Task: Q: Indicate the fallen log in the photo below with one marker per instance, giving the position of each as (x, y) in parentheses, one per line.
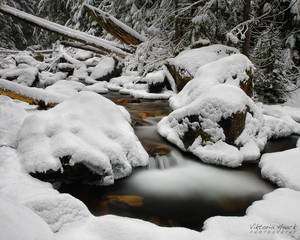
(83, 47)
(103, 45)
(31, 95)
(115, 27)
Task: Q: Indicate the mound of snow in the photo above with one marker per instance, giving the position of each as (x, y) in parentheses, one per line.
(89, 130)
(16, 185)
(282, 168)
(234, 70)
(12, 116)
(192, 59)
(99, 87)
(197, 127)
(47, 78)
(64, 88)
(19, 223)
(121, 228)
(277, 216)
(25, 76)
(104, 67)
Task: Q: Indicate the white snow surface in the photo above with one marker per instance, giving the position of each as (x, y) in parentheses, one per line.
(155, 77)
(31, 92)
(25, 76)
(65, 88)
(12, 116)
(277, 216)
(47, 78)
(16, 185)
(88, 127)
(19, 223)
(282, 168)
(229, 70)
(221, 101)
(191, 59)
(99, 87)
(103, 68)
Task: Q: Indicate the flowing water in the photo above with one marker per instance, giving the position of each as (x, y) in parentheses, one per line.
(177, 189)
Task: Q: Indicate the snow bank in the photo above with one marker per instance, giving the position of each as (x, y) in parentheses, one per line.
(190, 60)
(90, 129)
(229, 70)
(282, 168)
(54, 208)
(19, 223)
(121, 228)
(277, 216)
(12, 116)
(200, 124)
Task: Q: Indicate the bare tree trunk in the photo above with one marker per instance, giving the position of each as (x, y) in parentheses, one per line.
(246, 44)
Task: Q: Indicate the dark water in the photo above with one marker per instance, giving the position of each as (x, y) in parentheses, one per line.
(176, 189)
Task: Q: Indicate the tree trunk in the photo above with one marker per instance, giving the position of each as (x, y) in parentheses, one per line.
(246, 44)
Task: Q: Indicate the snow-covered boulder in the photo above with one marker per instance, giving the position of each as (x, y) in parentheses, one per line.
(64, 88)
(220, 126)
(282, 168)
(236, 70)
(47, 78)
(27, 76)
(106, 69)
(83, 55)
(156, 81)
(184, 66)
(19, 223)
(85, 138)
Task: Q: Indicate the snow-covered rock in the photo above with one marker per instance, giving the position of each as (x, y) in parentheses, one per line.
(282, 168)
(83, 55)
(19, 223)
(86, 135)
(47, 78)
(26, 76)
(12, 116)
(184, 67)
(156, 81)
(106, 69)
(235, 70)
(219, 126)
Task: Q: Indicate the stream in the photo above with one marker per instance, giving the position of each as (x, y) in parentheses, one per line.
(176, 189)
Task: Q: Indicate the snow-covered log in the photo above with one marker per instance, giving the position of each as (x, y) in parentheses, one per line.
(104, 45)
(115, 27)
(35, 96)
(83, 47)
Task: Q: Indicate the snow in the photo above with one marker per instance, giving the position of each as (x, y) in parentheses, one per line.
(282, 168)
(68, 32)
(228, 70)
(276, 216)
(103, 68)
(155, 77)
(19, 223)
(144, 94)
(12, 116)
(83, 55)
(47, 78)
(219, 102)
(88, 127)
(170, 79)
(64, 88)
(30, 92)
(25, 76)
(99, 87)
(54, 208)
(192, 59)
